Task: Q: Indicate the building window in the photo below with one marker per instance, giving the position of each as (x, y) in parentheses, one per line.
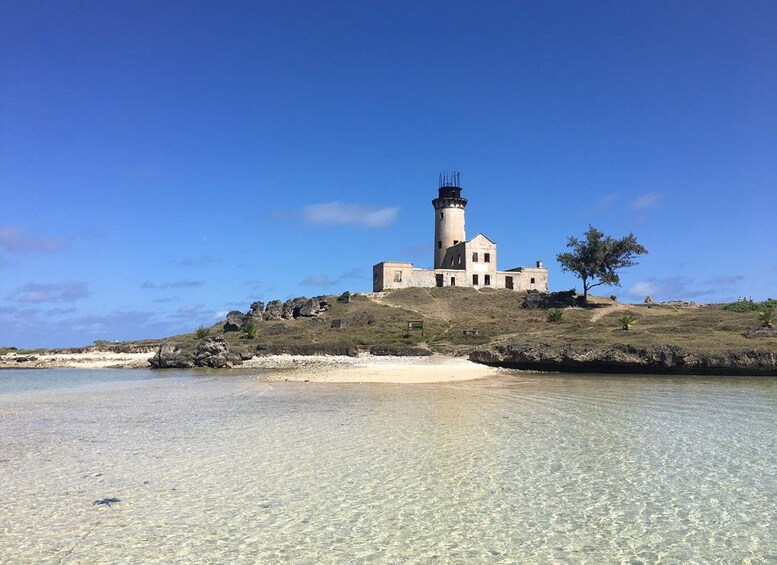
(459, 258)
(442, 215)
(375, 276)
(455, 241)
(487, 257)
(532, 280)
(474, 257)
(474, 280)
(487, 280)
(439, 245)
(453, 281)
(397, 276)
(451, 261)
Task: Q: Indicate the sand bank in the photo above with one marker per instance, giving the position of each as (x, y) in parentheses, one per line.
(363, 369)
(332, 369)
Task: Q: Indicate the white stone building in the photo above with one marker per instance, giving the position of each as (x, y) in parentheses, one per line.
(457, 260)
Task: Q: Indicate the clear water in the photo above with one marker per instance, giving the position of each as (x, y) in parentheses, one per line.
(230, 469)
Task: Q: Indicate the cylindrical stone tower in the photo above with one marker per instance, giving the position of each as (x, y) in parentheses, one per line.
(448, 217)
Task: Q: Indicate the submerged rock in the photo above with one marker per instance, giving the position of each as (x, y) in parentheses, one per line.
(209, 352)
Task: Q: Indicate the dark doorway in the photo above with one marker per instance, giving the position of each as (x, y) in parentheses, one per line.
(509, 282)
(439, 279)
(453, 281)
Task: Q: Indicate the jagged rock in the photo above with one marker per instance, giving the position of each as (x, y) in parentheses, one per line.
(648, 300)
(309, 308)
(338, 324)
(323, 303)
(543, 300)
(208, 352)
(621, 358)
(214, 352)
(344, 297)
(274, 310)
(291, 307)
(235, 319)
(256, 313)
(170, 356)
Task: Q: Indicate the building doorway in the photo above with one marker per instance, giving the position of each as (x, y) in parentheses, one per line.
(439, 279)
(453, 281)
(509, 283)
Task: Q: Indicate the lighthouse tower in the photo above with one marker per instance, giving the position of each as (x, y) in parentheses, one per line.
(448, 217)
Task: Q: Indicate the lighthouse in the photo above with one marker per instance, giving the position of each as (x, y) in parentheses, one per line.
(449, 228)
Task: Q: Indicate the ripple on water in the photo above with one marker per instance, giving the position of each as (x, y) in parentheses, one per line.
(542, 469)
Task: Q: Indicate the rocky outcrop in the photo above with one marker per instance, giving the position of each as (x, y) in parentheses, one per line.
(274, 310)
(208, 352)
(235, 319)
(662, 359)
(256, 312)
(544, 300)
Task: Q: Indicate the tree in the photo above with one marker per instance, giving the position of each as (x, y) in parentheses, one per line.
(596, 258)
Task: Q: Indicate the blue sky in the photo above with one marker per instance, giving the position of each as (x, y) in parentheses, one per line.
(162, 163)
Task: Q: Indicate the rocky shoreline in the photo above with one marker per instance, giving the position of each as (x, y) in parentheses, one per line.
(628, 359)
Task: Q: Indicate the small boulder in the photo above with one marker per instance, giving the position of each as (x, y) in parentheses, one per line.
(309, 308)
(345, 297)
(235, 319)
(338, 324)
(214, 352)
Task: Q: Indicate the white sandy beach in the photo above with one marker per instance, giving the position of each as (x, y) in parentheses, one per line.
(331, 369)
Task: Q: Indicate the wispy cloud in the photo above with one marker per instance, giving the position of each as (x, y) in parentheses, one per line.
(325, 280)
(647, 200)
(173, 284)
(725, 280)
(37, 293)
(603, 203)
(673, 288)
(344, 213)
(165, 299)
(189, 312)
(16, 240)
(195, 262)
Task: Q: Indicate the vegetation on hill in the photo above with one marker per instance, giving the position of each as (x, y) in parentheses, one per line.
(499, 317)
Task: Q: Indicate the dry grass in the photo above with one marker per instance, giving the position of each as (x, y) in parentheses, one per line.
(497, 315)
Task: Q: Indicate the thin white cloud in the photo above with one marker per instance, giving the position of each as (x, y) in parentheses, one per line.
(16, 240)
(37, 293)
(173, 284)
(325, 280)
(647, 200)
(344, 213)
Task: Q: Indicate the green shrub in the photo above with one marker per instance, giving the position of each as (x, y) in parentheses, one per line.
(747, 306)
(250, 329)
(555, 315)
(767, 317)
(626, 322)
(202, 332)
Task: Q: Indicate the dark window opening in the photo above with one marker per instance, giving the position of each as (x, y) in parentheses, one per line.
(532, 280)
(453, 281)
(474, 257)
(509, 283)
(455, 241)
(438, 279)
(474, 280)
(439, 245)
(487, 257)
(487, 280)
(442, 215)
(459, 258)
(397, 276)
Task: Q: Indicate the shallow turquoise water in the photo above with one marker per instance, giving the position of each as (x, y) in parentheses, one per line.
(216, 469)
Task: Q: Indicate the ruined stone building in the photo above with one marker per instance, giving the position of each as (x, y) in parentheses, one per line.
(457, 260)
